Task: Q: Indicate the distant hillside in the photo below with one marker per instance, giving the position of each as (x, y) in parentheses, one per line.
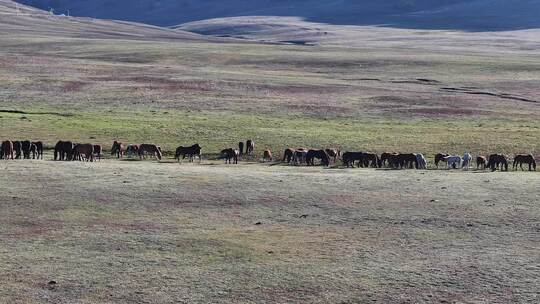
(20, 19)
(427, 14)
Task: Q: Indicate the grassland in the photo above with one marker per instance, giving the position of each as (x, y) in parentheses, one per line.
(172, 93)
(148, 232)
(144, 232)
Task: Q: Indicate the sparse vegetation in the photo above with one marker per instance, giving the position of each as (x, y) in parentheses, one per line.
(160, 232)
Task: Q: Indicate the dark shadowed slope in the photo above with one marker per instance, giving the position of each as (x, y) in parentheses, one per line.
(20, 19)
(473, 15)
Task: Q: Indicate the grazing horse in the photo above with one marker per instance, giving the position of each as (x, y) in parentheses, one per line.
(497, 160)
(369, 160)
(299, 156)
(319, 154)
(440, 157)
(192, 151)
(132, 150)
(422, 162)
(38, 150)
(151, 149)
(98, 152)
(349, 158)
(83, 152)
(333, 153)
(7, 149)
(33, 150)
(25, 147)
(241, 147)
(481, 161)
(453, 161)
(250, 147)
(17, 148)
(63, 150)
(386, 160)
(267, 155)
(230, 155)
(288, 155)
(407, 161)
(118, 148)
(520, 159)
(467, 158)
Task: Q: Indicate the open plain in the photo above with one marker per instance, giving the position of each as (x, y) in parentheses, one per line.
(129, 231)
(147, 232)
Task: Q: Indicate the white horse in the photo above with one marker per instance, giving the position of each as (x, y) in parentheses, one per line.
(467, 157)
(453, 161)
(422, 162)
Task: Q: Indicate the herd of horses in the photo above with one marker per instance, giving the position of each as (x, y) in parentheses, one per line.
(71, 151)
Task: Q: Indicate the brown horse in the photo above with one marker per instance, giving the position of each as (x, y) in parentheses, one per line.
(151, 149)
(7, 149)
(98, 152)
(190, 152)
(481, 161)
(497, 160)
(267, 155)
(63, 150)
(333, 153)
(439, 157)
(83, 152)
(521, 159)
(119, 149)
(25, 147)
(230, 155)
(319, 154)
(250, 147)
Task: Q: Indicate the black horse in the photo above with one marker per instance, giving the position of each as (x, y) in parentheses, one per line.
(439, 157)
(37, 150)
(17, 148)
(250, 147)
(521, 159)
(190, 152)
(497, 160)
(25, 147)
(241, 147)
(230, 155)
(349, 158)
(407, 161)
(63, 150)
(319, 154)
(288, 155)
(369, 160)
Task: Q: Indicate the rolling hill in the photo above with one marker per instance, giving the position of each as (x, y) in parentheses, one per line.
(475, 15)
(16, 19)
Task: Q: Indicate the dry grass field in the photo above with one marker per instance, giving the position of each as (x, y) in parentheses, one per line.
(367, 88)
(149, 232)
